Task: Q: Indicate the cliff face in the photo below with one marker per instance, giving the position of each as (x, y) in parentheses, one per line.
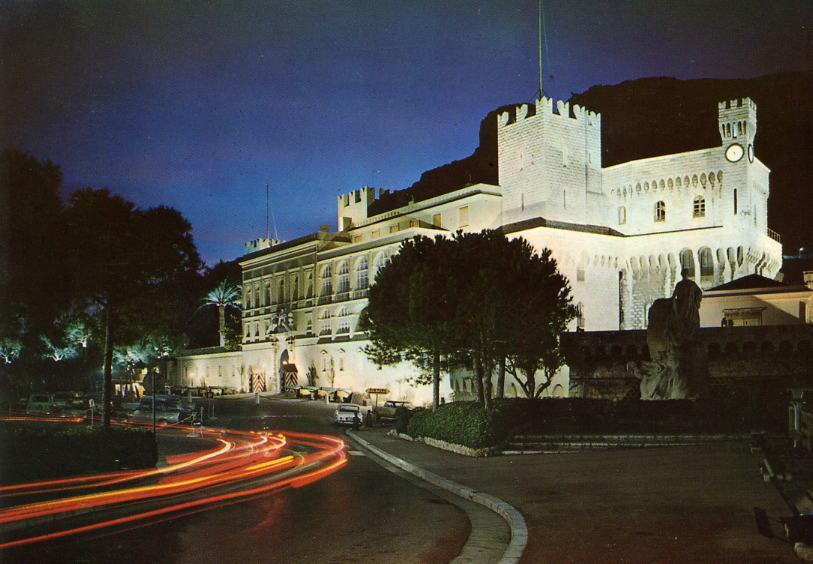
(658, 116)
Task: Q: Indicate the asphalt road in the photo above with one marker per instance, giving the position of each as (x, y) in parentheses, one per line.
(363, 513)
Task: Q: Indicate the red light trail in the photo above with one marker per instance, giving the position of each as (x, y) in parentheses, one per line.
(245, 464)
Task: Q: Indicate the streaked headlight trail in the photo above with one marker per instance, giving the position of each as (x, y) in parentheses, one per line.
(242, 465)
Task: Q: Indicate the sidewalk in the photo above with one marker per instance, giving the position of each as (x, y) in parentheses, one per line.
(680, 504)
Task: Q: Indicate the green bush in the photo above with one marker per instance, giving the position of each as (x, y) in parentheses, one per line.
(463, 423)
(35, 451)
(402, 417)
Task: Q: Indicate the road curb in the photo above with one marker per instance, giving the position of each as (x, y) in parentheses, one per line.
(515, 520)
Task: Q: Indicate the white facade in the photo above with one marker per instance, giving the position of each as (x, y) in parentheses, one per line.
(621, 235)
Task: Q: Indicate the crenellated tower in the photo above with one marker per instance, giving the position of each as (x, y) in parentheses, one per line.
(737, 121)
(549, 160)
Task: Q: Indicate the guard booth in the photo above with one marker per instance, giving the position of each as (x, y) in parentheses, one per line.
(289, 377)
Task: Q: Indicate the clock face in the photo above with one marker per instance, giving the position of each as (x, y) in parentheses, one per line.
(751, 153)
(734, 153)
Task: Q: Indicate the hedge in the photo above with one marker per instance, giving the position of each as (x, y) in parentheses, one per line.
(463, 423)
(35, 452)
(725, 413)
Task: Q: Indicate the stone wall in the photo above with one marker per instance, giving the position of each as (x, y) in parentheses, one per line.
(739, 357)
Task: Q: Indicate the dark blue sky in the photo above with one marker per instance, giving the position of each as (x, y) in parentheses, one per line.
(198, 104)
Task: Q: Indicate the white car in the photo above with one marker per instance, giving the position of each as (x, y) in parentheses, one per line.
(40, 404)
(346, 413)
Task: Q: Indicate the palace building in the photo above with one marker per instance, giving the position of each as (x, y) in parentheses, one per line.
(621, 234)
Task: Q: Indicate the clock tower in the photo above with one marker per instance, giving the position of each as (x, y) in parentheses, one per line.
(737, 120)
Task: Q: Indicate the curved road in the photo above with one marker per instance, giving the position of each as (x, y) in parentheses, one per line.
(361, 512)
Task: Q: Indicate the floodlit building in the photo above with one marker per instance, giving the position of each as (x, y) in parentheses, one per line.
(621, 234)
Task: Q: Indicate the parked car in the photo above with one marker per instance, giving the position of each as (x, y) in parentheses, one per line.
(76, 408)
(325, 391)
(167, 410)
(343, 395)
(64, 399)
(41, 404)
(346, 413)
(307, 392)
(390, 409)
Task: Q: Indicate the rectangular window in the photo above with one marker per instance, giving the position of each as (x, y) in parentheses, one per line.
(464, 217)
(376, 234)
(436, 220)
(356, 239)
(413, 223)
(394, 228)
(580, 274)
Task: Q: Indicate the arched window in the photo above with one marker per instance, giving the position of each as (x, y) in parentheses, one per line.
(699, 207)
(327, 280)
(687, 261)
(579, 316)
(380, 262)
(622, 215)
(344, 277)
(361, 274)
(706, 262)
(660, 211)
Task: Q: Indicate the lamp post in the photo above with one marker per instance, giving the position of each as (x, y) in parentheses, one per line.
(153, 401)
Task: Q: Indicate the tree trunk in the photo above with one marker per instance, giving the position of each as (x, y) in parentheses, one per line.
(501, 379)
(488, 370)
(478, 378)
(530, 383)
(221, 320)
(107, 389)
(435, 379)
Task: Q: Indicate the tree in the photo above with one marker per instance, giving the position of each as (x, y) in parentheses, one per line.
(9, 350)
(31, 242)
(513, 309)
(226, 294)
(411, 306)
(134, 267)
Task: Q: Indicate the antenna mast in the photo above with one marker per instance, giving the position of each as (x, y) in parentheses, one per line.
(266, 211)
(539, 44)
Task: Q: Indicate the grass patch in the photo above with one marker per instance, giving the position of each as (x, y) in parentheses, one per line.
(33, 452)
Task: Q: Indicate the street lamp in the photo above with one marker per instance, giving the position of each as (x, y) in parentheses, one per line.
(153, 402)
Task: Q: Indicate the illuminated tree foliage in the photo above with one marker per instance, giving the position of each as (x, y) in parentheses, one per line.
(134, 266)
(411, 308)
(225, 295)
(480, 298)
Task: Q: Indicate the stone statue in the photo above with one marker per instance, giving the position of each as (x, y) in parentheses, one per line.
(677, 369)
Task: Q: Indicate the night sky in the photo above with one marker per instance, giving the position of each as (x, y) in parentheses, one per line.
(199, 104)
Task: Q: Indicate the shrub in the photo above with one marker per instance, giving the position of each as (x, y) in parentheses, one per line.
(402, 417)
(34, 452)
(463, 423)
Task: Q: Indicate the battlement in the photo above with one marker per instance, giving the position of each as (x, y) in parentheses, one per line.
(364, 195)
(746, 103)
(545, 107)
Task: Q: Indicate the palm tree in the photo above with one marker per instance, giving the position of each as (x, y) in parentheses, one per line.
(225, 294)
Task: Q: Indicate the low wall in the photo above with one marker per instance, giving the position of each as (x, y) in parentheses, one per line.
(760, 358)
